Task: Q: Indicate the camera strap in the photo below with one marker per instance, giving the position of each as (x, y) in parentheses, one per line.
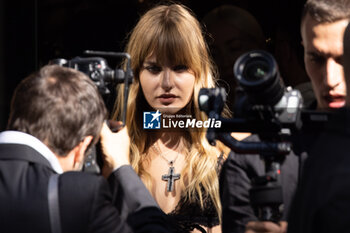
(53, 201)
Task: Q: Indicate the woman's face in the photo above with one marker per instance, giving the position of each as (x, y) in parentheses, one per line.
(166, 88)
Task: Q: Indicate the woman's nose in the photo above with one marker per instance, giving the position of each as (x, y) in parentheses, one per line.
(167, 82)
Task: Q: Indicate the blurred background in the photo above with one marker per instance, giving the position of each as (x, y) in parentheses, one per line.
(32, 32)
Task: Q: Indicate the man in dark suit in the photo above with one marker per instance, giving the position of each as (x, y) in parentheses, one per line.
(322, 27)
(322, 200)
(56, 115)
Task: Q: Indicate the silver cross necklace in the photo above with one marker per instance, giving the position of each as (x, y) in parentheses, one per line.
(171, 176)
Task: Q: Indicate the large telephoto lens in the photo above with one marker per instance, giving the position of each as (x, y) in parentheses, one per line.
(257, 73)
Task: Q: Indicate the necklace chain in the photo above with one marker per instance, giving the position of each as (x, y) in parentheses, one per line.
(170, 162)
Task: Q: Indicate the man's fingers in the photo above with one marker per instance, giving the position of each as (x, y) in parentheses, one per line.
(265, 226)
(284, 226)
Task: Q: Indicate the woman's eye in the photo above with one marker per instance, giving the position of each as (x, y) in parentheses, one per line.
(180, 68)
(154, 69)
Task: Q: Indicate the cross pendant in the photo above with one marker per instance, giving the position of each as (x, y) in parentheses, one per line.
(170, 178)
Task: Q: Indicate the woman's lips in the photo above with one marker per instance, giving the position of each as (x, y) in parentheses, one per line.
(167, 99)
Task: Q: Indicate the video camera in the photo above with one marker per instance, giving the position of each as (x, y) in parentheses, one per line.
(264, 106)
(106, 79)
(267, 108)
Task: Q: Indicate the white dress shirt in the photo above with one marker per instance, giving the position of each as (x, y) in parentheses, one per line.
(16, 137)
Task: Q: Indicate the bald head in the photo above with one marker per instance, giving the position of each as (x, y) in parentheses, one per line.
(236, 17)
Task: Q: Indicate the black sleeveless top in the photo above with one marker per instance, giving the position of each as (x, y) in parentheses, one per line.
(189, 215)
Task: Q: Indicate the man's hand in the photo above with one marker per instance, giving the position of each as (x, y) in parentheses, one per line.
(266, 227)
(115, 148)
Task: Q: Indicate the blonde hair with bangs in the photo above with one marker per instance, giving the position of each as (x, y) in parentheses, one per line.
(172, 34)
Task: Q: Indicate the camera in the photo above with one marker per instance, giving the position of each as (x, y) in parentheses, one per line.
(97, 69)
(257, 73)
(263, 94)
(264, 106)
(106, 79)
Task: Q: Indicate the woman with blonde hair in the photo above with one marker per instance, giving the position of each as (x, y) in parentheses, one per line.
(171, 64)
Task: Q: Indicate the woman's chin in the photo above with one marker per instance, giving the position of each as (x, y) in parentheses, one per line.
(169, 110)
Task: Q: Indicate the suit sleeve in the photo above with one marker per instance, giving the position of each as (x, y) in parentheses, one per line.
(235, 183)
(104, 215)
(88, 205)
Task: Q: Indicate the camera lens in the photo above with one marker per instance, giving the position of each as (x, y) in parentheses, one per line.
(257, 73)
(256, 70)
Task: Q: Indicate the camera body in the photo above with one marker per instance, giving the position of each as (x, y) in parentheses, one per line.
(261, 94)
(97, 69)
(264, 106)
(288, 109)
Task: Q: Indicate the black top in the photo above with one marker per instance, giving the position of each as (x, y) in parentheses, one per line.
(187, 216)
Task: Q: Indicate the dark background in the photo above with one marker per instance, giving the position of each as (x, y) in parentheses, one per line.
(34, 31)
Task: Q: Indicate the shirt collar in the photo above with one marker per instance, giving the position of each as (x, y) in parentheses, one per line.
(16, 137)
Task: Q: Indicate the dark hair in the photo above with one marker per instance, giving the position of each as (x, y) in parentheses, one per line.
(327, 10)
(59, 106)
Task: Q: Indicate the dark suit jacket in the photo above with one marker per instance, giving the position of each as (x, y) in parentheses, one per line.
(88, 203)
(322, 201)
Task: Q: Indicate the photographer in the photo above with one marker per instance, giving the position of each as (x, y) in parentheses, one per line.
(56, 115)
(322, 200)
(322, 27)
(232, 31)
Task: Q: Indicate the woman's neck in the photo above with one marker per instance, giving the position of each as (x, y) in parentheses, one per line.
(174, 140)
